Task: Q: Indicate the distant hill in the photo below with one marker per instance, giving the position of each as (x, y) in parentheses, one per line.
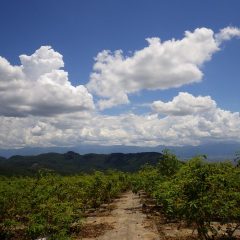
(73, 163)
(214, 151)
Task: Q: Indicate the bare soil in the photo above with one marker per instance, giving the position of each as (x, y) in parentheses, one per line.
(134, 217)
(125, 222)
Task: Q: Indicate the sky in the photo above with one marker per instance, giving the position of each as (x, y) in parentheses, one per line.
(110, 72)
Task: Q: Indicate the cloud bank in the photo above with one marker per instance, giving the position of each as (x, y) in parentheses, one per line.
(40, 107)
(192, 127)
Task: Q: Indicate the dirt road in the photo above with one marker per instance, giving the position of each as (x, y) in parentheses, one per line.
(125, 222)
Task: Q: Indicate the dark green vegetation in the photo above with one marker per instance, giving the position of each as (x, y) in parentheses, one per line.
(205, 195)
(45, 204)
(52, 206)
(74, 163)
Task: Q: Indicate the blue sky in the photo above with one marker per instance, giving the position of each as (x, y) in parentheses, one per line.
(79, 30)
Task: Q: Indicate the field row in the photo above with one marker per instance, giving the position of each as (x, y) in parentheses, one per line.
(52, 206)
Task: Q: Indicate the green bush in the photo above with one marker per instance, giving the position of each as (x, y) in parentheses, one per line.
(198, 192)
(202, 193)
(50, 205)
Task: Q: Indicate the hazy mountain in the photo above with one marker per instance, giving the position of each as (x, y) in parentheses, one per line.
(215, 151)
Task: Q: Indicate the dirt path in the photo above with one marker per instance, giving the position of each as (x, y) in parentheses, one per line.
(125, 222)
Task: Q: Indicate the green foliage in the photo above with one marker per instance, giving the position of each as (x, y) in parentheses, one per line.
(199, 192)
(169, 164)
(52, 206)
(237, 158)
(145, 179)
(149, 176)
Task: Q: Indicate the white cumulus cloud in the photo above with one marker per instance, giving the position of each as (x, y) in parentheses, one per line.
(40, 107)
(185, 104)
(227, 33)
(160, 65)
(40, 87)
(192, 127)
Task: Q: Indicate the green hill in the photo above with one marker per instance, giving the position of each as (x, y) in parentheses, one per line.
(73, 163)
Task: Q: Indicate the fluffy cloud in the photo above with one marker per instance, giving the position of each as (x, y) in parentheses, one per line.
(227, 33)
(198, 123)
(40, 107)
(40, 87)
(185, 104)
(198, 118)
(160, 65)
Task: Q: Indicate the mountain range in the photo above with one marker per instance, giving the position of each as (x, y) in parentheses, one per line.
(214, 151)
(86, 158)
(74, 163)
